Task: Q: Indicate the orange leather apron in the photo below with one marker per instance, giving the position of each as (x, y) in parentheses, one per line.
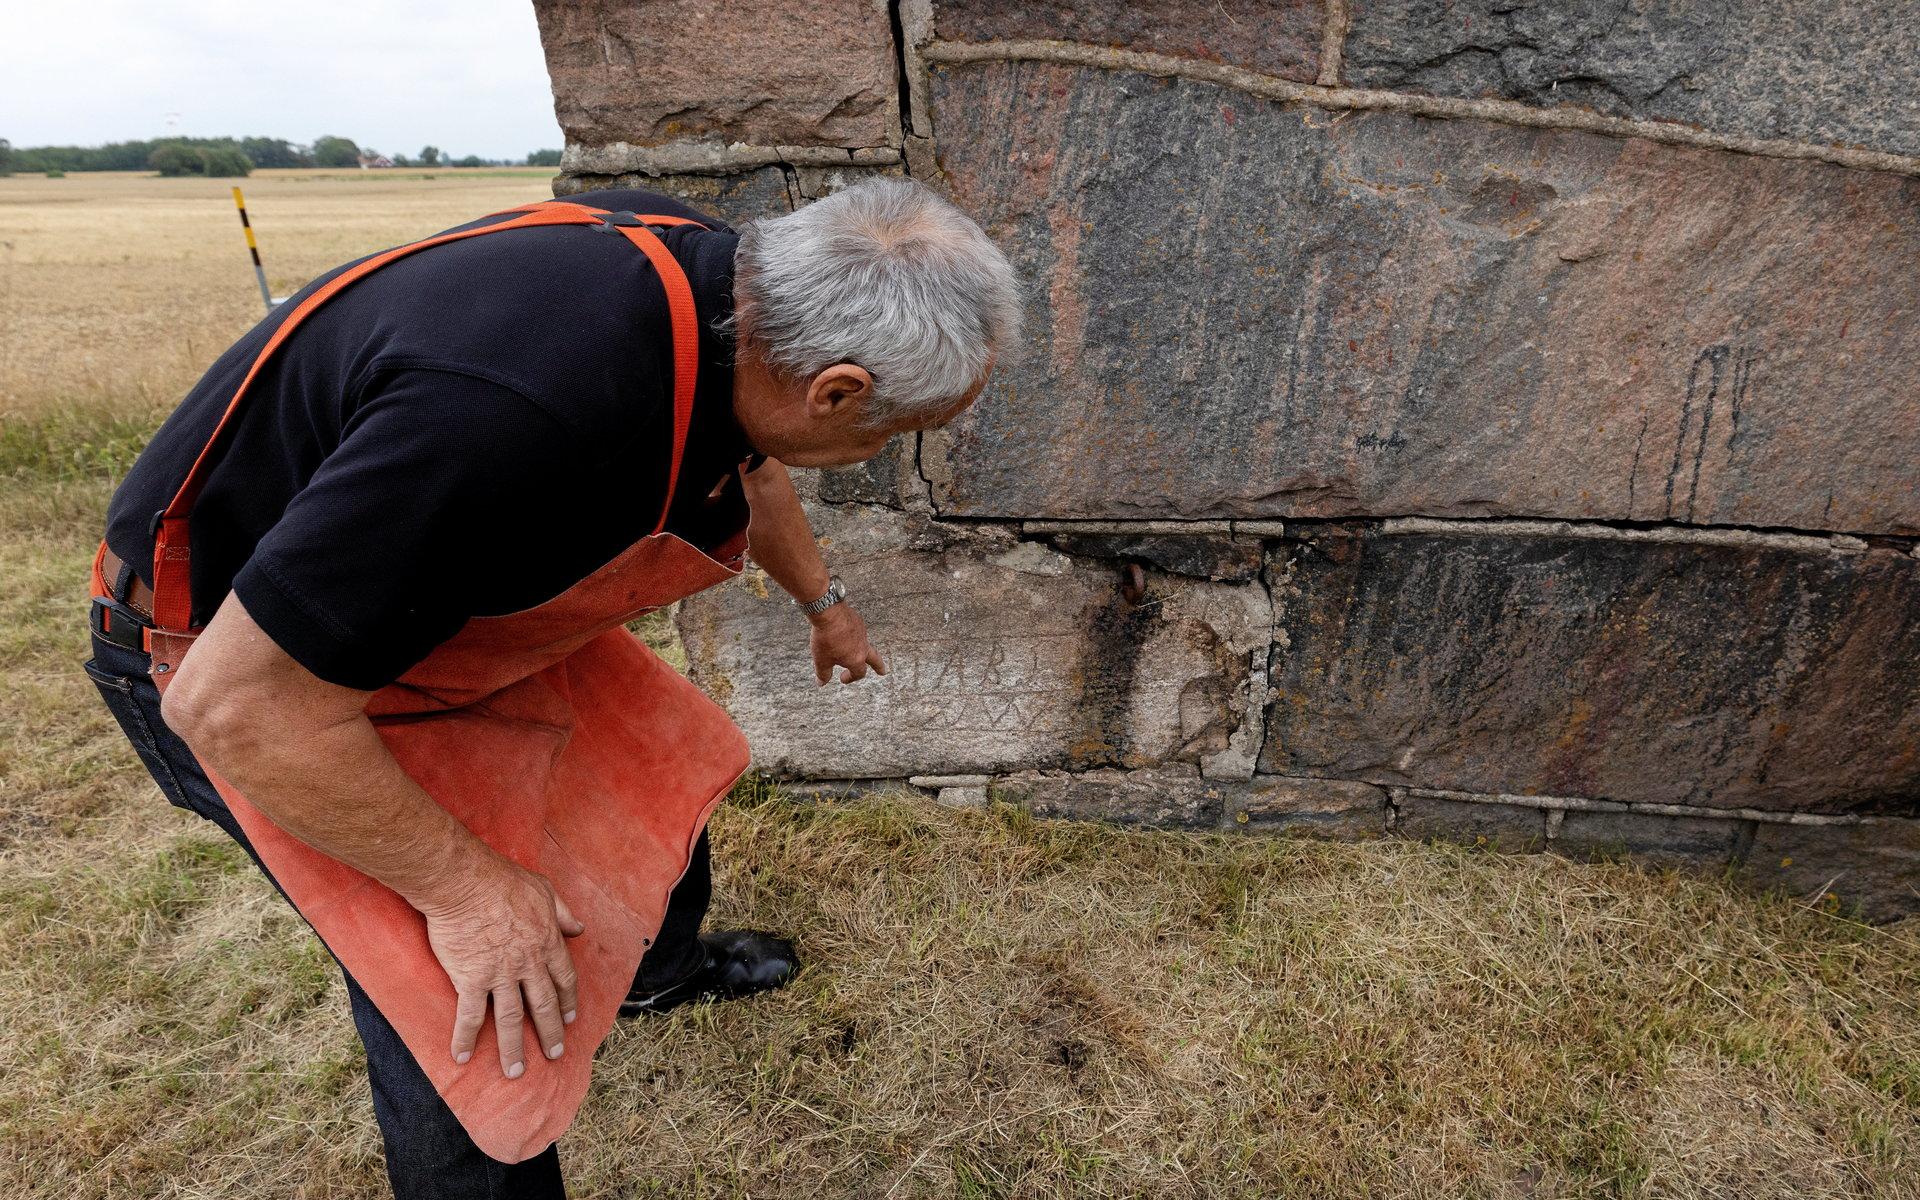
(553, 734)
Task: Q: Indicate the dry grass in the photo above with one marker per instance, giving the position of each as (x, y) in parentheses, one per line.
(121, 288)
(994, 1006)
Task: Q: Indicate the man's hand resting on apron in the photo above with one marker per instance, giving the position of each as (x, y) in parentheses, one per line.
(502, 941)
(303, 752)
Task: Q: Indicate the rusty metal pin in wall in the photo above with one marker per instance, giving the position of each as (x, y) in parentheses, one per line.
(1133, 584)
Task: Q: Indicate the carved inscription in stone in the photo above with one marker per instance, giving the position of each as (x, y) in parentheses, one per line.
(1003, 655)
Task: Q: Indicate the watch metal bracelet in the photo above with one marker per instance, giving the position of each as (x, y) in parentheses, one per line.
(836, 592)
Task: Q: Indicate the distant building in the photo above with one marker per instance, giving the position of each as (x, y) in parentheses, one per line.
(374, 160)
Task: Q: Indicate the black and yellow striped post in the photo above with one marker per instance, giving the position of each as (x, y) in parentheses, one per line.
(253, 248)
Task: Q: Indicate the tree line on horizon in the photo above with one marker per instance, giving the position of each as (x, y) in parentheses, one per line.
(226, 157)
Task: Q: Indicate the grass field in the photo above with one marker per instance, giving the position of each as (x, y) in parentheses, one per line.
(994, 1006)
(120, 288)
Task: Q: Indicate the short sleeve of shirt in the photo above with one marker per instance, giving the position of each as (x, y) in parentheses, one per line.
(363, 574)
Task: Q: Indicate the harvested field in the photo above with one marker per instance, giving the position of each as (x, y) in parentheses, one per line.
(119, 288)
(993, 1006)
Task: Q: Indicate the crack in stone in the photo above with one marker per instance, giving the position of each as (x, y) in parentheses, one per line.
(901, 78)
(920, 469)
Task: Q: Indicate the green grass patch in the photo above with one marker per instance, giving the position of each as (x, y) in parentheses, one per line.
(82, 441)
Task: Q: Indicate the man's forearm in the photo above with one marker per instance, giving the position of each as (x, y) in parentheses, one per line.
(304, 753)
(339, 790)
(780, 537)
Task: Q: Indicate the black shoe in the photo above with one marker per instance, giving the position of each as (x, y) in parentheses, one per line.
(739, 963)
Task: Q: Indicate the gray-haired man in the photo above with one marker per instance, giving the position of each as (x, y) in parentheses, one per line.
(511, 399)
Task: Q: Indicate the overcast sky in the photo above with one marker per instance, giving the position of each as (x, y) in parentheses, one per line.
(466, 77)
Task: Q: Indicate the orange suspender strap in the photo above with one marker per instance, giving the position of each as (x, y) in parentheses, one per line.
(172, 552)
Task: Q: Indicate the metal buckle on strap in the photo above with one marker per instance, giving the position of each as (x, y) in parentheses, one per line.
(114, 622)
(610, 222)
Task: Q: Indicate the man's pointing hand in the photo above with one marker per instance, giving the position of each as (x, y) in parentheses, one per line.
(840, 640)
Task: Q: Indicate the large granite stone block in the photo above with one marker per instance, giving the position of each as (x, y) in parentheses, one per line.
(1843, 72)
(1281, 37)
(1179, 796)
(1873, 868)
(1330, 808)
(1172, 797)
(1725, 675)
(1005, 656)
(759, 72)
(1241, 308)
(1650, 839)
(1507, 828)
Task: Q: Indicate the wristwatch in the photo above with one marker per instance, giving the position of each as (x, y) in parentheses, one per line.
(836, 592)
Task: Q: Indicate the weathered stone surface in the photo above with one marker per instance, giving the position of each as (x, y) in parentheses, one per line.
(732, 198)
(1720, 674)
(760, 72)
(1334, 808)
(1874, 867)
(1204, 556)
(817, 183)
(1701, 843)
(962, 797)
(1505, 827)
(1245, 309)
(1166, 797)
(888, 478)
(1278, 38)
(1835, 71)
(1005, 655)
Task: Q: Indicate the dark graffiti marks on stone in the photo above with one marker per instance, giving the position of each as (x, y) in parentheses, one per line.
(1711, 368)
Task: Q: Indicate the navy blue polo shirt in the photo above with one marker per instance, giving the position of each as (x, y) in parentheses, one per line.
(468, 431)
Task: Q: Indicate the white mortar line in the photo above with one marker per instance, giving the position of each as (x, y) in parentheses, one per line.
(714, 158)
(1835, 543)
(1505, 112)
(1131, 527)
(1585, 804)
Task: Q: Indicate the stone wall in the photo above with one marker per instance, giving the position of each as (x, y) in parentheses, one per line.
(1442, 418)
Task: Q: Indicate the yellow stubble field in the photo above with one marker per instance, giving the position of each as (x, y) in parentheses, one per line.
(118, 289)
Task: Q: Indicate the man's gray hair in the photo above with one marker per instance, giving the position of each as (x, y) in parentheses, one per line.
(887, 275)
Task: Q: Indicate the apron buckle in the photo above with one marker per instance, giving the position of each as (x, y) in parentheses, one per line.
(611, 222)
(114, 622)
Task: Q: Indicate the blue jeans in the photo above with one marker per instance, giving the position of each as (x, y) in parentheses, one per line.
(429, 1155)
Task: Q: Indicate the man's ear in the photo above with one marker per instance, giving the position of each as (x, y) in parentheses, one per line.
(842, 387)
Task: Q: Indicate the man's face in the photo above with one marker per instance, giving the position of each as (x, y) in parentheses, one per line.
(822, 422)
